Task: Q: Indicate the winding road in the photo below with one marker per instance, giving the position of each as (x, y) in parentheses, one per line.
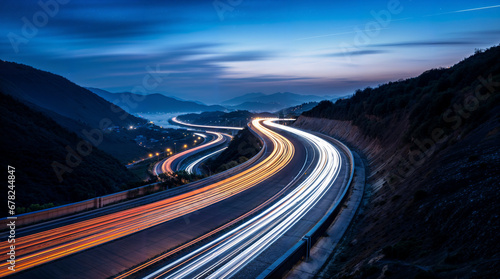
(174, 163)
(218, 227)
(226, 255)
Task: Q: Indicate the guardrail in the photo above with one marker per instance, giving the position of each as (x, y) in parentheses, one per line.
(76, 207)
(99, 202)
(301, 250)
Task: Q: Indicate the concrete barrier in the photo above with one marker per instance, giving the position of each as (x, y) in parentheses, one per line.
(72, 208)
(301, 250)
(99, 202)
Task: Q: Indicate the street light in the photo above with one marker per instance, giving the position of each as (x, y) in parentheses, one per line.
(185, 145)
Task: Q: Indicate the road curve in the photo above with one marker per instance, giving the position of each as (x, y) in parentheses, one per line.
(191, 168)
(170, 164)
(52, 244)
(228, 254)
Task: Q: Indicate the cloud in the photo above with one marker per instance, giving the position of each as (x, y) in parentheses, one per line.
(86, 28)
(356, 53)
(266, 78)
(492, 33)
(239, 57)
(425, 44)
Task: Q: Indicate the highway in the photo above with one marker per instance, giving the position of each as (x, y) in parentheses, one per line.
(193, 167)
(163, 231)
(226, 255)
(174, 163)
(38, 248)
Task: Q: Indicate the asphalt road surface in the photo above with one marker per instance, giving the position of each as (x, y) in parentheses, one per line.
(106, 245)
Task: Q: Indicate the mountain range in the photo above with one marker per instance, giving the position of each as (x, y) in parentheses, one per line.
(55, 93)
(71, 106)
(270, 102)
(153, 103)
(53, 165)
(159, 103)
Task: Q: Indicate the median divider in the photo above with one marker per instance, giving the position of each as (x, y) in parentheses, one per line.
(202, 150)
(77, 207)
(302, 249)
(99, 202)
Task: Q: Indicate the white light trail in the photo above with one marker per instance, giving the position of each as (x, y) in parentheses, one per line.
(200, 135)
(226, 255)
(191, 166)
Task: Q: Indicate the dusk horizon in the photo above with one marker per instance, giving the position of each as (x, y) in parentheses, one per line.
(250, 139)
(210, 51)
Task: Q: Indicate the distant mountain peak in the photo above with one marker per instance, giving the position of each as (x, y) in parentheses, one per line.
(270, 102)
(155, 102)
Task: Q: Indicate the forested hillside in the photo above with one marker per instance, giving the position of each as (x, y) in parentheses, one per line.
(38, 148)
(432, 144)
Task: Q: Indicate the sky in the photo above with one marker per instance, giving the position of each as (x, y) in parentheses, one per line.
(213, 50)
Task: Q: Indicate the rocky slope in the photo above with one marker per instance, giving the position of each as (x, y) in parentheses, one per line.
(432, 147)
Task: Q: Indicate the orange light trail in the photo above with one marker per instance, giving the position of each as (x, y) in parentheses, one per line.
(42, 247)
(166, 166)
(226, 255)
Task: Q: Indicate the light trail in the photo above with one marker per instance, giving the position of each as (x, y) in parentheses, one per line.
(166, 166)
(226, 255)
(191, 166)
(201, 135)
(43, 247)
(205, 126)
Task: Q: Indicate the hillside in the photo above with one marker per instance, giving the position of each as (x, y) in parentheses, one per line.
(71, 106)
(244, 98)
(57, 94)
(297, 110)
(152, 103)
(237, 118)
(33, 145)
(432, 147)
(244, 146)
(258, 106)
(270, 102)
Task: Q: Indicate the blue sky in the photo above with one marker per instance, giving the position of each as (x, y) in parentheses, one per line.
(213, 50)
